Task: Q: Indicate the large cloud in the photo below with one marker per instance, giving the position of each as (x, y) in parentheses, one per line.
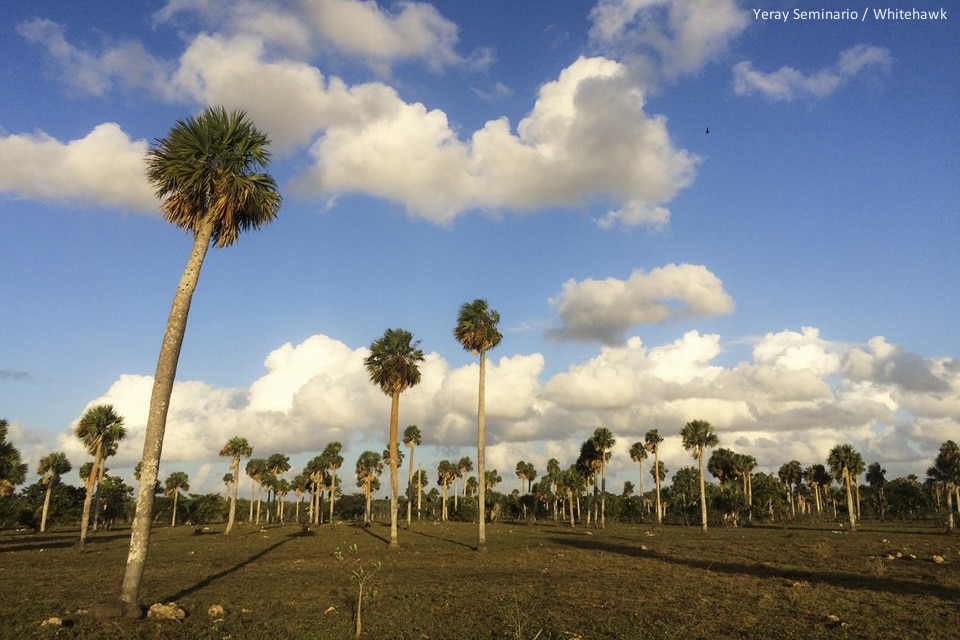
(586, 141)
(603, 310)
(104, 167)
(788, 84)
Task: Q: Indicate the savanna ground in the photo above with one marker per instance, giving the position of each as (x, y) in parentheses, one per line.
(537, 581)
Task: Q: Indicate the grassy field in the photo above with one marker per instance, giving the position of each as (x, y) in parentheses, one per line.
(536, 582)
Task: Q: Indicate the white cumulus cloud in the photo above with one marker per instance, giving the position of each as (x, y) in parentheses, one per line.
(603, 310)
(788, 84)
(104, 167)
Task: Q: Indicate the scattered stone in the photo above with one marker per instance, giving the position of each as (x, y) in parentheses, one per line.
(115, 610)
(169, 611)
(938, 559)
(216, 611)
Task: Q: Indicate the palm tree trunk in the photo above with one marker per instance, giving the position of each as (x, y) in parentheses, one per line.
(419, 491)
(481, 463)
(96, 507)
(157, 416)
(176, 494)
(88, 499)
(233, 495)
(394, 480)
(409, 485)
(850, 506)
(703, 493)
(656, 462)
(333, 491)
(603, 490)
(46, 505)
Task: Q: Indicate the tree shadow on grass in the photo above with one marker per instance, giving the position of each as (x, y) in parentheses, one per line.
(43, 541)
(834, 578)
(442, 539)
(206, 582)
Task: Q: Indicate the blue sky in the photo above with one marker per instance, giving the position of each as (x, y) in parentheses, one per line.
(790, 277)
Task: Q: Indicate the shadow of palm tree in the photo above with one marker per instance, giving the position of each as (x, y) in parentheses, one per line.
(834, 578)
(56, 541)
(206, 582)
(442, 539)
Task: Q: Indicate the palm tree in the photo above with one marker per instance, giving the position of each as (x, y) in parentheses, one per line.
(393, 365)
(876, 479)
(99, 429)
(946, 472)
(843, 461)
(464, 467)
(553, 473)
(603, 441)
(446, 472)
(659, 474)
(698, 436)
(257, 470)
(208, 174)
(331, 456)
(176, 482)
(477, 332)
(50, 468)
(277, 465)
(235, 448)
(638, 453)
(412, 439)
(652, 441)
(791, 474)
(743, 466)
(13, 470)
(369, 467)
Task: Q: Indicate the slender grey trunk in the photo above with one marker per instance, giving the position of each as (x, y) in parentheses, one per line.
(233, 495)
(481, 464)
(157, 417)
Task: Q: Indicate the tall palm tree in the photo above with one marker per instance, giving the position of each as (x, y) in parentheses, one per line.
(257, 470)
(698, 436)
(603, 441)
(50, 468)
(743, 468)
(176, 482)
(553, 473)
(208, 173)
(99, 429)
(791, 474)
(446, 472)
(393, 365)
(13, 470)
(369, 467)
(843, 461)
(235, 449)
(277, 465)
(464, 467)
(876, 478)
(477, 332)
(331, 456)
(946, 472)
(652, 441)
(412, 439)
(638, 453)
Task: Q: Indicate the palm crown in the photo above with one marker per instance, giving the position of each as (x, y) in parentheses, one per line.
(392, 363)
(476, 327)
(208, 168)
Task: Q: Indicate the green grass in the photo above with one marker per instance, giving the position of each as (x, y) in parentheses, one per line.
(536, 582)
